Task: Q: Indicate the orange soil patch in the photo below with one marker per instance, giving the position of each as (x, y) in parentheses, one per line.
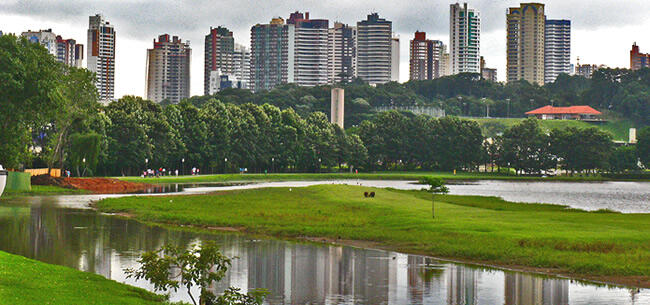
(96, 185)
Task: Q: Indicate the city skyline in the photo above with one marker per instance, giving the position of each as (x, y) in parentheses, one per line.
(589, 25)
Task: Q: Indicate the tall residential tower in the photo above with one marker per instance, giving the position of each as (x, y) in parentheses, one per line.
(374, 49)
(272, 54)
(168, 70)
(425, 58)
(525, 43)
(638, 60)
(101, 56)
(310, 53)
(342, 49)
(219, 49)
(557, 49)
(464, 39)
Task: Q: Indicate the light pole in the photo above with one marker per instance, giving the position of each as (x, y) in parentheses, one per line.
(319, 164)
(508, 100)
(487, 107)
(84, 172)
(183, 166)
(225, 164)
(146, 164)
(273, 164)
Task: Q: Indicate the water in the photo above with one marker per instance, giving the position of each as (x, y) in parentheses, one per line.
(47, 229)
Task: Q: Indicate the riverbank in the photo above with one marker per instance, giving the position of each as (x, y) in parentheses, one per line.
(26, 281)
(449, 176)
(600, 246)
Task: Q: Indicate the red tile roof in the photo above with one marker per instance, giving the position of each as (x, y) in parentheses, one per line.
(565, 110)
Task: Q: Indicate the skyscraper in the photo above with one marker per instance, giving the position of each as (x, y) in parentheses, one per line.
(374, 49)
(557, 49)
(242, 61)
(219, 52)
(168, 70)
(101, 56)
(310, 53)
(272, 54)
(342, 59)
(425, 57)
(638, 60)
(394, 59)
(525, 43)
(464, 39)
(65, 51)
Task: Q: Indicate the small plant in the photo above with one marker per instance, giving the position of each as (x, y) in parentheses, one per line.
(436, 186)
(175, 267)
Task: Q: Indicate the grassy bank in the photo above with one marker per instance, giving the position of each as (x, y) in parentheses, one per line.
(26, 281)
(599, 245)
(43, 190)
(618, 128)
(397, 175)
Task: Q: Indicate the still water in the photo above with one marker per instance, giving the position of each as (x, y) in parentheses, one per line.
(47, 229)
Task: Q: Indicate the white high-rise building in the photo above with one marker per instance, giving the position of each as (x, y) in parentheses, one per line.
(66, 51)
(101, 56)
(43, 37)
(464, 39)
(311, 46)
(242, 61)
(168, 70)
(374, 49)
(394, 60)
(557, 49)
(342, 57)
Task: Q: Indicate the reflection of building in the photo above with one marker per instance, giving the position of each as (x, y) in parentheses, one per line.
(168, 70)
(522, 289)
(101, 56)
(462, 285)
(464, 39)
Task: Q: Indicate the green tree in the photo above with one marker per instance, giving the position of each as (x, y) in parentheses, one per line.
(174, 267)
(526, 148)
(643, 146)
(623, 158)
(84, 152)
(436, 186)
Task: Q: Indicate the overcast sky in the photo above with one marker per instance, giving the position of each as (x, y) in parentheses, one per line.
(602, 30)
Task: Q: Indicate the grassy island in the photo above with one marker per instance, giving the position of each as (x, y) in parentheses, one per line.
(604, 246)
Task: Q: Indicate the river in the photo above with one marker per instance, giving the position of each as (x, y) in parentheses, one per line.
(62, 230)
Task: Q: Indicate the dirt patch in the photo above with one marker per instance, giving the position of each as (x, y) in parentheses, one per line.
(95, 185)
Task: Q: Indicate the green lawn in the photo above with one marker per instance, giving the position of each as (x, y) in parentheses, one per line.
(618, 128)
(395, 175)
(43, 190)
(483, 229)
(26, 281)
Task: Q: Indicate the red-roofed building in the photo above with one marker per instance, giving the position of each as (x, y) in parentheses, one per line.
(582, 113)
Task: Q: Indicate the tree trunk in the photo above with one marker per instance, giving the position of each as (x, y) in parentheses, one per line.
(433, 205)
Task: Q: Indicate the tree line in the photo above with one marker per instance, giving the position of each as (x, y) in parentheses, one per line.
(50, 118)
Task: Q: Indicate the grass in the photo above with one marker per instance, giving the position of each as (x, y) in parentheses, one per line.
(485, 229)
(43, 190)
(26, 281)
(395, 175)
(618, 128)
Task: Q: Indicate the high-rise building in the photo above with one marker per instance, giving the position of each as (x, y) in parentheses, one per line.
(168, 70)
(272, 54)
(101, 56)
(219, 52)
(525, 43)
(638, 60)
(43, 37)
(310, 53)
(78, 55)
(464, 39)
(242, 61)
(489, 74)
(64, 50)
(342, 49)
(394, 59)
(587, 70)
(557, 49)
(374, 49)
(425, 57)
(445, 62)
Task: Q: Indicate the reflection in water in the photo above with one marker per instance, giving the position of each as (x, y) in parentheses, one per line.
(295, 273)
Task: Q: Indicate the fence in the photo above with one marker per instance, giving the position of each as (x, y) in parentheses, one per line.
(54, 172)
(428, 110)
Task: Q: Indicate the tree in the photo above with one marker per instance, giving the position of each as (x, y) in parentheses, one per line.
(623, 158)
(84, 151)
(643, 146)
(526, 148)
(436, 186)
(174, 267)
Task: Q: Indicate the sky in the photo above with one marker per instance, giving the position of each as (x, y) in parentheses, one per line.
(602, 30)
